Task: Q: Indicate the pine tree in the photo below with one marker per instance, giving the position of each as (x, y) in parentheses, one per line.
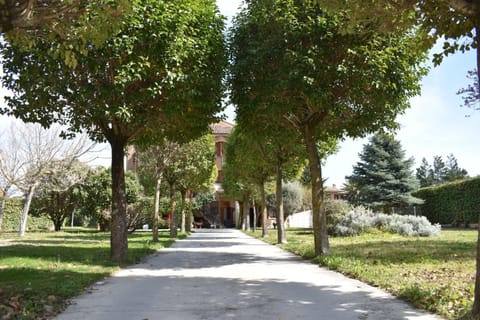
(425, 174)
(439, 170)
(383, 178)
(454, 172)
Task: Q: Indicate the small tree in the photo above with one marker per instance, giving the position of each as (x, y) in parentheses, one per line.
(96, 195)
(44, 155)
(153, 162)
(61, 192)
(292, 198)
(383, 177)
(198, 174)
(251, 160)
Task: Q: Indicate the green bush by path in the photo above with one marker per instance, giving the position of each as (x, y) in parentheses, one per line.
(40, 272)
(12, 214)
(456, 203)
(436, 273)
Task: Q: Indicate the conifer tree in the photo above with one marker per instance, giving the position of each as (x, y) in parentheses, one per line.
(454, 172)
(425, 174)
(441, 172)
(383, 178)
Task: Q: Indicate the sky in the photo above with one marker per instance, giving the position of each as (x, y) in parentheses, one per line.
(434, 125)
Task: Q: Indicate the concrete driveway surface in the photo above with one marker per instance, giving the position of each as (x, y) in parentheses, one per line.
(224, 274)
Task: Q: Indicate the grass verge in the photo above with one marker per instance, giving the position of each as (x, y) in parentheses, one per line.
(436, 273)
(41, 271)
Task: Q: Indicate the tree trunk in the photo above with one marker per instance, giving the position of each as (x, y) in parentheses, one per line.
(72, 223)
(246, 211)
(476, 294)
(182, 211)
(263, 204)
(173, 213)
(254, 227)
(281, 234)
(2, 205)
(118, 226)
(188, 219)
(58, 225)
(26, 208)
(238, 215)
(320, 234)
(156, 210)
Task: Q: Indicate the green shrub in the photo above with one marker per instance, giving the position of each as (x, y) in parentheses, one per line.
(335, 211)
(455, 203)
(12, 214)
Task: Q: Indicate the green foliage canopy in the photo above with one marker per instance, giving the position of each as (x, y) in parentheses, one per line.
(453, 20)
(160, 75)
(383, 178)
(293, 66)
(441, 171)
(162, 71)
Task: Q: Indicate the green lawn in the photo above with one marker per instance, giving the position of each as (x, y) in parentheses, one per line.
(435, 273)
(40, 272)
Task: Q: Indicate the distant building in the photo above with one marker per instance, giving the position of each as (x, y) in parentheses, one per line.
(334, 193)
(131, 159)
(222, 211)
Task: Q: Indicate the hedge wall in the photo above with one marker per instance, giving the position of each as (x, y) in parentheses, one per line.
(456, 203)
(12, 214)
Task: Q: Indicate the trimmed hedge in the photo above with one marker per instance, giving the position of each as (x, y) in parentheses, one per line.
(456, 203)
(12, 214)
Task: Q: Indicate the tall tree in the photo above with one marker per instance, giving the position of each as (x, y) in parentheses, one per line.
(383, 176)
(471, 94)
(424, 174)
(456, 22)
(294, 65)
(441, 172)
(161, 75)
(454, 172)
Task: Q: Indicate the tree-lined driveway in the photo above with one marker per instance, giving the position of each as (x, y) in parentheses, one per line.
(224, 274)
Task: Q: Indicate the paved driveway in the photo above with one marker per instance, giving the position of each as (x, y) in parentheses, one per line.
(224, 274)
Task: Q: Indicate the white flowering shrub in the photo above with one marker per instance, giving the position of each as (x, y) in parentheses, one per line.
(360, 220)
